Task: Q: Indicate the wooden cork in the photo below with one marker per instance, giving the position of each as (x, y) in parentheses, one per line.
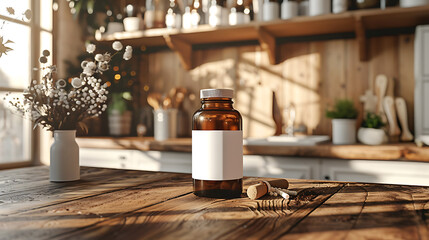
(258, 190)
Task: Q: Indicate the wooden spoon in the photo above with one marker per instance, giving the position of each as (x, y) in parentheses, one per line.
(380, 91)
(389, 107)
(277, 116)
(401, 108)
(153, 99)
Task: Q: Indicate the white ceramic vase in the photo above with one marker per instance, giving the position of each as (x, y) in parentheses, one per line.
(64, 160)
(343, 131)
(371, 136)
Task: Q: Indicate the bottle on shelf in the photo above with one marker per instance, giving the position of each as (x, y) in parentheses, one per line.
(339, 6)
(196, 15)
(217, 146)
(218, 13)
(187, 18)
(319, 7)
(149, 15)
(173, 18)
(240, 14)
(270, 10)
(289, 9)
(303, 8)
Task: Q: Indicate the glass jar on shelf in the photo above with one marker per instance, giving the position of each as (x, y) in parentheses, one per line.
(239, 14)
(218, 13)
(173, 18)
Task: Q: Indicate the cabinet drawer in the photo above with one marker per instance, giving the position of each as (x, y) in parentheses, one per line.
(391, 172)
(108, 158)
(281, 167)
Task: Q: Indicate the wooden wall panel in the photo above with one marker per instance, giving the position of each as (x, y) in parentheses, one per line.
(312, 75)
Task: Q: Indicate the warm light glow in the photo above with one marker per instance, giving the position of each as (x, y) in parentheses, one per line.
(124, 73)
(108, 83)
(133, 73)
(146, 88)
(115, 68)
(117, 77)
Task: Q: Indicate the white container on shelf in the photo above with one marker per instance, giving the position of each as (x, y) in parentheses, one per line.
(339, 6)
(132, 24)
(343, 131)
(270, 11)
(289, 9)
(303, 8)
(413, 3)
(319, 7)
(165, 121)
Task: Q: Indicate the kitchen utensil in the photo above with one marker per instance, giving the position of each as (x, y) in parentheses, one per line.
(153, 99)
(389, 108)
(277, 116)
(166, 103)
(401, 108)
(380, 92)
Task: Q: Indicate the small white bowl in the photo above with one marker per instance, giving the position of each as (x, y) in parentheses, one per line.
(371, 136)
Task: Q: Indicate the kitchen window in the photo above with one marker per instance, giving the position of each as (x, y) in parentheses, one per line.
(30, 33)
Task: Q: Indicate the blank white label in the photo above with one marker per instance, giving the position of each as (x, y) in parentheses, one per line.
(217, 155)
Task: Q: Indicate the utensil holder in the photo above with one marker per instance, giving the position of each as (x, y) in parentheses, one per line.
(165, 121)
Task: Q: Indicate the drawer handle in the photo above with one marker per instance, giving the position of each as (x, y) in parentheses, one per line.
(122, 157)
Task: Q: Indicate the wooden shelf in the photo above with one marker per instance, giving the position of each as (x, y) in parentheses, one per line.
(398, 151)
(271, 34)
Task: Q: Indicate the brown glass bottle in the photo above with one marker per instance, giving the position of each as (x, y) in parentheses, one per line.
(217, 116)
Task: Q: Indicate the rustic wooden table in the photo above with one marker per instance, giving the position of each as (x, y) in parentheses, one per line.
(120, 204)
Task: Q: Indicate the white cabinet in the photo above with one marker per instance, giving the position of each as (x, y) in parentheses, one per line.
(281, 167)
(163, 161)
(136, 160)
(421, 88)
(392, 172)
(108, 158)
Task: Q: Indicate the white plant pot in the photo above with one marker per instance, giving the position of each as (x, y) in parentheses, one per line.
(120, 123)
(64, 159)
(371, 136)
(132, 24)
(343, 131)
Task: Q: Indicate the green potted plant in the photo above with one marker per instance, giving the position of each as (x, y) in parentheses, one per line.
(343, 117)
(119, 114)
(371, 132)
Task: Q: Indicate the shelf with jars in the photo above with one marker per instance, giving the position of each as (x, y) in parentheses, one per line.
(359, 24)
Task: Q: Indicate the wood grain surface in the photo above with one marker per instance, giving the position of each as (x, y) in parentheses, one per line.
(120, 204)
(400, 151)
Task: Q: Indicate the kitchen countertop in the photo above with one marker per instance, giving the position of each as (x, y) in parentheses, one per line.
(124, 204)
(399, 151)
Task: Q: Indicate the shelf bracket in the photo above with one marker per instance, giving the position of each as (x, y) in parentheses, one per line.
(361, 39)
(182, 48)
(269, 44)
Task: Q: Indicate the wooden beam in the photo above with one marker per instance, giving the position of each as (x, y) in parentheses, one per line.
(182, 48)
(269, 44)
(361, 39)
